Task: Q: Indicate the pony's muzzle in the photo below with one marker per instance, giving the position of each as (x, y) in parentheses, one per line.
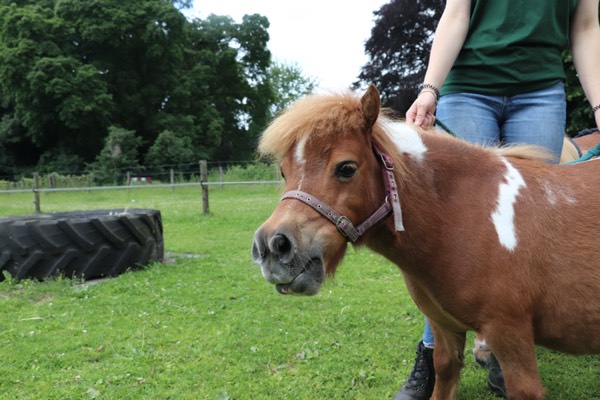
(277, 255)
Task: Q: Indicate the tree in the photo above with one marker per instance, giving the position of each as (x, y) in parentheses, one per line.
(182, 4)
(136, 47)
(70, 69)
(120, 153)
(234, 59)
(398, 50)
(289, 84)
(46, 95)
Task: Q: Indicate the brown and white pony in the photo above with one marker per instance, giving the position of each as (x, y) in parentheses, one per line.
(484, 237)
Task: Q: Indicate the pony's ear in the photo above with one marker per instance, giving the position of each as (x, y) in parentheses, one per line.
(370, 103)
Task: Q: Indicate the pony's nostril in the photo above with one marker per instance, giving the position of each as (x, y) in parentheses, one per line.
(280, 244)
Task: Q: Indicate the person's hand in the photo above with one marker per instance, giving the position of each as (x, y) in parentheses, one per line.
(422, 110)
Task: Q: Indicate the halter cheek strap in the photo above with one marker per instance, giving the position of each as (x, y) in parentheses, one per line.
(390, 204)
(391, 188)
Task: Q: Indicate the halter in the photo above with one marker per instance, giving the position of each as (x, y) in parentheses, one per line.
(390, 204)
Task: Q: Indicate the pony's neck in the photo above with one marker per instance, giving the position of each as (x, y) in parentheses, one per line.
(435, 186)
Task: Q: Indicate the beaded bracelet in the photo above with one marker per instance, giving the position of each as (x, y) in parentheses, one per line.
(595, 108)
(436, 91)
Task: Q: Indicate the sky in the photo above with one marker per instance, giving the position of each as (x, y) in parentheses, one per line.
(324, 38)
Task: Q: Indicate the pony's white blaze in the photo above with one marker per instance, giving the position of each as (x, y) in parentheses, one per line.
(299, 150)
(504, 214)
(300, 158)
(406, 139)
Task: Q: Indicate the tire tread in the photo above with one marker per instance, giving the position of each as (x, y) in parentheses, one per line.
(80, 244)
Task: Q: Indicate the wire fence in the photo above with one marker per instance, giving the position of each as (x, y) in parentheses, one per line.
(219, 176)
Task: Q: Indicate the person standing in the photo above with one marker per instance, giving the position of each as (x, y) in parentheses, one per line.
(495, 77)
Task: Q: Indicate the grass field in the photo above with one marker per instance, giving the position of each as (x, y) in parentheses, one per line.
(208, 326)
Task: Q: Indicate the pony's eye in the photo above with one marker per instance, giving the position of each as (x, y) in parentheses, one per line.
(346, 169)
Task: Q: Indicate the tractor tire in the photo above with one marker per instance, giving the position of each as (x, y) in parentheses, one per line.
(79, 244)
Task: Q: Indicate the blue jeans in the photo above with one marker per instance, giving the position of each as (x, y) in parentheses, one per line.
(537, 118)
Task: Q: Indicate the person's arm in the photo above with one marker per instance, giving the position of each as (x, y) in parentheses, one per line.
(585, 48)
(449, 38)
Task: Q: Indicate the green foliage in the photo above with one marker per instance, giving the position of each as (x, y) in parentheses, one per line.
(120, 153)
(234, 62)
(169, 149)
(71, 69)
(251, 173)
(289, 84)
(579, 111)
(58, 160)
(52, 180)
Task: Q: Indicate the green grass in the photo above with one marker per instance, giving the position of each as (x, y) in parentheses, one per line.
(208, 326)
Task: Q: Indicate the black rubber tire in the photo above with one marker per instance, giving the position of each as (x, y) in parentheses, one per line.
(80, 244)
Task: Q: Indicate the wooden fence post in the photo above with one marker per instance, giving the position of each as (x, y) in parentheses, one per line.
(172, 177)
(221, 176)
(203, 180)
(36, 193)
(90, 179)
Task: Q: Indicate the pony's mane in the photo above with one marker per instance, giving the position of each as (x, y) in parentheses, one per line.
(525, 151)
(316, 115)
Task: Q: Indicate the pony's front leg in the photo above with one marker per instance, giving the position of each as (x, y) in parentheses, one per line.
(448, 360)
(516, 355)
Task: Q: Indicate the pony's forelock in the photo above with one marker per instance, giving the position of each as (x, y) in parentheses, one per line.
(316, 115)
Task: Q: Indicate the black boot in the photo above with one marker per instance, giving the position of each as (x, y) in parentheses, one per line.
(495, 377)
(419, 385)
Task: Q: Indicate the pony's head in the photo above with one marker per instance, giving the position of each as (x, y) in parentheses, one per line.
(324, 145)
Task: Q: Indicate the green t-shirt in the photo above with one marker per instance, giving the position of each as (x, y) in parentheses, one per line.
(512, 47)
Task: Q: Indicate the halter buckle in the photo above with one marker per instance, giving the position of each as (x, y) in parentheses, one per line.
(342, 224)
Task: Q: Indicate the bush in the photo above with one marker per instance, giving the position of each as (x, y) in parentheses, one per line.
(169, 149)
(251, 172)
(57, 160)
(120, 153)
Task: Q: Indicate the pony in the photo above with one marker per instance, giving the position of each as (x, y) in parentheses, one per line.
(484, 237)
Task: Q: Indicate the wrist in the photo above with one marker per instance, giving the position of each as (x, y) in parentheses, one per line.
(432, 88)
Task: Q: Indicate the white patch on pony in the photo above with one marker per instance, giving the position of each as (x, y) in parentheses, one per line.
(504, 214)
(550, 194)
(300, 159)
(556, 196)
(406, 139)
(299, 151)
